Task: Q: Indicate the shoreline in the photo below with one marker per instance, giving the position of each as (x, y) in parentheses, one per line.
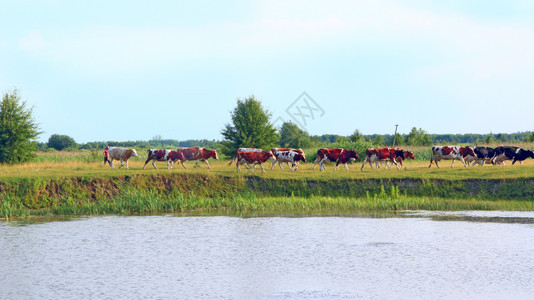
(183, 192)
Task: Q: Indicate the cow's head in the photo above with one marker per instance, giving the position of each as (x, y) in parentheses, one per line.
(131, 152)
(178, 155)
(470, 151)
(409, 154)
(352, 154)
(300, 157)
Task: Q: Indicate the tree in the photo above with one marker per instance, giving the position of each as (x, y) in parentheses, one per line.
(530, 137)
(418, 138)
(356, 136)
(60, 142)
(251, 127)
(294, 137)
(379, 140)
(18, 130)
(399, 139)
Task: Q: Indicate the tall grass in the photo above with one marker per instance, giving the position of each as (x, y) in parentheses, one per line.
(143, 203)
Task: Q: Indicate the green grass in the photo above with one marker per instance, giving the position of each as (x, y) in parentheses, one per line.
(143, 202)
(72, 183)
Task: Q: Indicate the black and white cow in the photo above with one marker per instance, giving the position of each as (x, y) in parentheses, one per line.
(482, 155)
(511, 153)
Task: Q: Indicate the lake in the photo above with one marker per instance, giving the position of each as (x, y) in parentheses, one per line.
(429, 255)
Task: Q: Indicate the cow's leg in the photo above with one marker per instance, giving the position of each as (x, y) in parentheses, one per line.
(317, 161)
(321, 164)
(146, 162)
(452, 164)
(122, 163)
(280, 165)
(346, 166)
(111, 164)
(237, 165)
(182, 162)
(207, 163)
(365, 160)
(154, 164)
(127, 167)
(273, 164)
(261, 165)
(463, 161)
(371, 162)
(431, 161)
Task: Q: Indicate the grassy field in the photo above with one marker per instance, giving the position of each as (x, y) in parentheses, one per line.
(79, 183)
(411, 169)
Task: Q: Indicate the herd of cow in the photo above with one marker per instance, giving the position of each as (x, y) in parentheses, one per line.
(393, 156)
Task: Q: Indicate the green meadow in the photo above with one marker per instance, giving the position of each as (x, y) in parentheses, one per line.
(78, 183)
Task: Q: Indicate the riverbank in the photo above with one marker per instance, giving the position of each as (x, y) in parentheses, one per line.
(186, 192)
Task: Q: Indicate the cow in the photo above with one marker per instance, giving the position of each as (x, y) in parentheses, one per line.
(122, 154)
(252, 157)
(482, 155)
(299, 151)
(401, 155)
(380, 154)
(163, 155)
(197, 153)
(248, 150)
(338, 155)
(289, 157)
(511, 153)
(450, 153)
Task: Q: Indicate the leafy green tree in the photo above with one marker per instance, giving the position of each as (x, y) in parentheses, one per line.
(356, 136)
(18, 130)
(418, 138)
(379, 140)
(490, 139)
(530, 137)
(61, 142)
(251, 127)
(294, 137)
(399, 139)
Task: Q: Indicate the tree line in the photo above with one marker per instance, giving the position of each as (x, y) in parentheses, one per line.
(250, 126)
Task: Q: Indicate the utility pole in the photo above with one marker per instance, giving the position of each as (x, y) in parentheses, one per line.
(395, 136)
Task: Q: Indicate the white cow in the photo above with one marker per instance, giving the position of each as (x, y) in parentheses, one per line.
(122, 154)
(288, 157)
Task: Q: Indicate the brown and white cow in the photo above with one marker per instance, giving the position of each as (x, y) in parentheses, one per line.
(380, 154)
(299, 151)
(248, 150)
(163, 155)
(403, 155)
(288, 157)
(252, 157)
(450, 153)
(338, 155)
(122, 154)
(198, 154)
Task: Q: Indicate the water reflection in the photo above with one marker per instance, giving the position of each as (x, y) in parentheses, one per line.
(342, 256)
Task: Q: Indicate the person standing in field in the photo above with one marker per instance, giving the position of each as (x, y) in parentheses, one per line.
(106, 156)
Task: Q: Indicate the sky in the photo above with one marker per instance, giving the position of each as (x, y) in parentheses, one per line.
(134, 70)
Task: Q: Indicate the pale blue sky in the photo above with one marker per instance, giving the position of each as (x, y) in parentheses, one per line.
(123, 70)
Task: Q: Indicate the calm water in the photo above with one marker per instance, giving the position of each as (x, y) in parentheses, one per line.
(427, 255)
